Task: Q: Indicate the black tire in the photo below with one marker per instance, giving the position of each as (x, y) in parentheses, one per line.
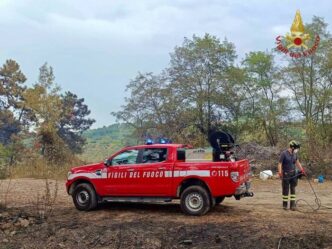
(195, 200)
(219, 200)
(84, 197)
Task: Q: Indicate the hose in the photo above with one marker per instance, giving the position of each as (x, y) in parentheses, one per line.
(317, 199)
(279, 244)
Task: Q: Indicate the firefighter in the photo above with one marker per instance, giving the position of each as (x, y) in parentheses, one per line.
(287, 165)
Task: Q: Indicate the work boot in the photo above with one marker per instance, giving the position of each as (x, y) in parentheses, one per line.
(292, 205)
(284, 204)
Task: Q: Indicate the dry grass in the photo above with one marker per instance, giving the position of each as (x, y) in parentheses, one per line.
(257, 222)
(5, 189)
(40, 169)
(44, 201)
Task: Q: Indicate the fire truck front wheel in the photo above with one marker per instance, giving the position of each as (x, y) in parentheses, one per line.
(84, 197)
(195, 200)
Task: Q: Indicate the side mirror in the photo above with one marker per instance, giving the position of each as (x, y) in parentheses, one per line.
(108, 162)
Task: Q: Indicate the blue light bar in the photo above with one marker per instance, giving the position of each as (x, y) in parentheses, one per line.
(164, 140)
(148, 141)
(160, 140)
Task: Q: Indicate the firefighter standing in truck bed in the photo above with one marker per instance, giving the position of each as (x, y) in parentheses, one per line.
(287, 171)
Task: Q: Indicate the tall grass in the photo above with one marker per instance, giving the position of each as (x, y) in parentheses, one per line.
(40, 168)
(5, 189)
(44, 202)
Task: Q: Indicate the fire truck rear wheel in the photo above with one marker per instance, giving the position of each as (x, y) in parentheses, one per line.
(195, 200)
(85, 197)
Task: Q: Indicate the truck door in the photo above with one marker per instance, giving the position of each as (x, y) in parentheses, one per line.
(155, 171)
(121, 174)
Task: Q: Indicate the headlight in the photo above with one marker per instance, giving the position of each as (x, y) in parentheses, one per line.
(68, 174)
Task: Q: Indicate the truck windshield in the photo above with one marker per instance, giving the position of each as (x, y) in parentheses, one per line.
(126, 157)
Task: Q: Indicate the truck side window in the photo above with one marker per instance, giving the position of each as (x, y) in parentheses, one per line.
(154, 155)
(126, 157)
(181, 155)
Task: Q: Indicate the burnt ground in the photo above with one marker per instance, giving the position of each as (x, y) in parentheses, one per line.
(257, 222)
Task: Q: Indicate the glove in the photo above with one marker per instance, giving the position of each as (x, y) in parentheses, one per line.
(303, 172)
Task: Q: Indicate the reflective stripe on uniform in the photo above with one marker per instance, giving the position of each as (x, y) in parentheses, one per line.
(285, 197)
(292, 197)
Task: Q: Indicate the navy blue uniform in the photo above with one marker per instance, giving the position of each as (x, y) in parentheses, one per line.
(289, 177)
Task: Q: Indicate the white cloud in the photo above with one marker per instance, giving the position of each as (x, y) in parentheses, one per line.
(280, 29)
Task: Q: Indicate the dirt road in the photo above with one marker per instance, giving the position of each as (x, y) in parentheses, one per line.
(257, 222)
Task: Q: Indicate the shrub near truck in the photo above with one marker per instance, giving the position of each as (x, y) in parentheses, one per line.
(158, 172)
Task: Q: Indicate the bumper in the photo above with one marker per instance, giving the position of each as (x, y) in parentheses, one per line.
(243, 191)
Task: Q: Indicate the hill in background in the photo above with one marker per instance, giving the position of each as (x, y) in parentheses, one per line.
(103, 142)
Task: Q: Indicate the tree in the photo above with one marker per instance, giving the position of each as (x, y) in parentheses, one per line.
(73, 121)
(310, 80)
(14, 117)
(11, 85)
(43, 99)
(60, 119)
(265, 105)
(151, 108)
(9, 127)
(197, 73)
(231, 102)
(11, 90)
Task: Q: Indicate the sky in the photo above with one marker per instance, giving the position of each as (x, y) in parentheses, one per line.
(97, 46)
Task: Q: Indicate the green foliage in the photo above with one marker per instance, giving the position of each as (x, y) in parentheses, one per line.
(73, 121)
(103, 142)
(9, 126)
(203, 89)
(11, 85)
(310, 81)
(186, 96)
(198, 74)
(5, 154)
(265, 105)
(11, 91)
(46, 105)
(51, 122)
(146, 109)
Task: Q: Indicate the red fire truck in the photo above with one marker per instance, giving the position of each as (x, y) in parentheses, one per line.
(158, 172)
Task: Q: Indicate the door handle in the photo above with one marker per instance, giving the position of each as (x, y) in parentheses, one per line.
(130, 170)
(162, 168)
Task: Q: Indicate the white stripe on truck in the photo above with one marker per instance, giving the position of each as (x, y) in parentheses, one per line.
(182, 173)
(176, 173)
(88, 175)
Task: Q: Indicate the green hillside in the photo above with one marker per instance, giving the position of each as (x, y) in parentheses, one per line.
(103, 142)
